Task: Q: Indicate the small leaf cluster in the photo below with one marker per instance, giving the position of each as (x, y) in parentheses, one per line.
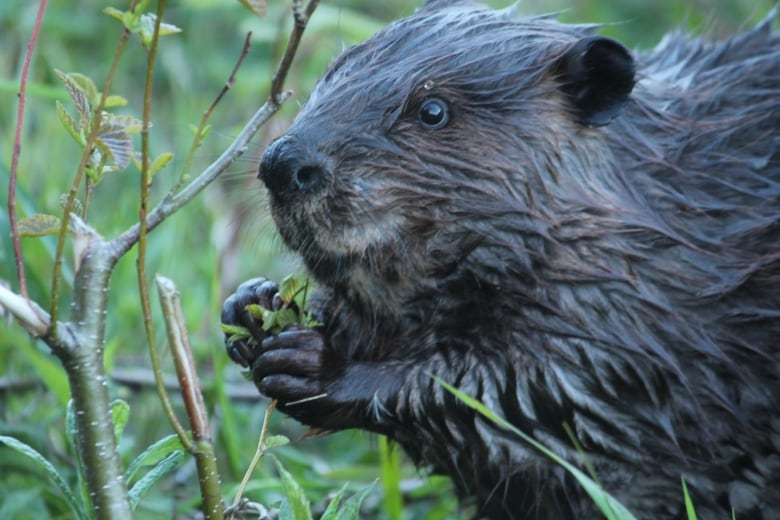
(140, 23)
(295, 505)
(290, 310)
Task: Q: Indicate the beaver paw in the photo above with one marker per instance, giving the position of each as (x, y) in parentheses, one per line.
(291, 365)
(260, 291)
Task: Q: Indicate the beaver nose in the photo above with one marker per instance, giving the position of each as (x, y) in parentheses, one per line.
(287, 167)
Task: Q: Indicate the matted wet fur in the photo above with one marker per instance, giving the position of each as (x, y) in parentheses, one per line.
(573, 236)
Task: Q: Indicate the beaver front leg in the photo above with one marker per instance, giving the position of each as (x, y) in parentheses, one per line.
(298, 367)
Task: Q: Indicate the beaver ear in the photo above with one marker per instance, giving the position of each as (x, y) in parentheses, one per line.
(597, 75)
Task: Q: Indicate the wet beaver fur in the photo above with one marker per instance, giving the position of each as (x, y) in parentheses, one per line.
(572, 235)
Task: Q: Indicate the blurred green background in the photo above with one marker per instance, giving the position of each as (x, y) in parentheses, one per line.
(222, 238)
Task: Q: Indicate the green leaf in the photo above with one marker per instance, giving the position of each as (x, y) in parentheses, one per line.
(268, 319)
(286, 317)
(128, 124)
(160, 470)
(296, 506)
(81, 90)
(120, 412)
(115, 101)
(274, 441)
(203, 133)
(257, 7)
(689, 509)
(118, 146)
(235, 332)
(610, 507)
(160, 162)
(69, 123)
(114, 13)
(53, 474)
(351, 509)
(39, 225)
(289, 288)
(391, 479)
(154, 454)
(145, 28)
(333, 507)
(256, 310)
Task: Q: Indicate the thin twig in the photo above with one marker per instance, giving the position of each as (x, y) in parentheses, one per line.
(33, 318)
(143, 286)
(261, 447)
(301, 18)
(18, 150)
(88, 147)
(207, 114)
(202, 447)
(174, 200)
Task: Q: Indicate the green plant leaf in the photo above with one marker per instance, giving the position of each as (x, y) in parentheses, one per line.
(118, 146)
(289, 288)
(153, 455)
(39, 225)
(48, 370)
(235, 332)
(351, 509)
(390, 477)
(296, 505)
(115, 101)
(610, 507)
(333, 506)
(274, 441)
(160, 162)
(257, 7)
(81, 90)
(69, 123)
(689, 509)
(26, 450)
(159, 471)
(120, 412)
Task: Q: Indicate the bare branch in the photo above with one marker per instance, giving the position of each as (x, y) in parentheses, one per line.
(18, 150)
(33, 318)
(301, 18)
(179, 344)
(174, 201)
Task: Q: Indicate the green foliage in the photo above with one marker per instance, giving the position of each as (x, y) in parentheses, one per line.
(390, 477)
(141, 23)
(295, 505)
(77, 506)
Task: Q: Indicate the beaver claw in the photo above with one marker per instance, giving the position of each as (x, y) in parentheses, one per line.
(260, 291)
(290, 367)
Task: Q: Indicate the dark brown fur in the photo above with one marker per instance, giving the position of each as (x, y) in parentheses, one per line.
(564, 253)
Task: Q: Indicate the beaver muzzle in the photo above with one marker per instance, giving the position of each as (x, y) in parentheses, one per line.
(289, 168)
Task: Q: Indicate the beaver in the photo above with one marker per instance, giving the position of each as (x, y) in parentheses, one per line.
(585, 239)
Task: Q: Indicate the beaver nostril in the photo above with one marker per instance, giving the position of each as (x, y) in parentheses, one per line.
(308, 177)
(287, 167)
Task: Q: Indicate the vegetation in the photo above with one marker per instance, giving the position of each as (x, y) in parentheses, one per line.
(206, 248)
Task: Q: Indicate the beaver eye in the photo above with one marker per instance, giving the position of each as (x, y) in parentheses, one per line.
(433, 114)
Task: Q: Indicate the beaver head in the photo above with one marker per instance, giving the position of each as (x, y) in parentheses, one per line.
(441, 133)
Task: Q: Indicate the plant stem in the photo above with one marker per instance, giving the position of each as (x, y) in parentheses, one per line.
(202, 448)
(80, 348)
(94, 130)
(18, 150)
(143, 286)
